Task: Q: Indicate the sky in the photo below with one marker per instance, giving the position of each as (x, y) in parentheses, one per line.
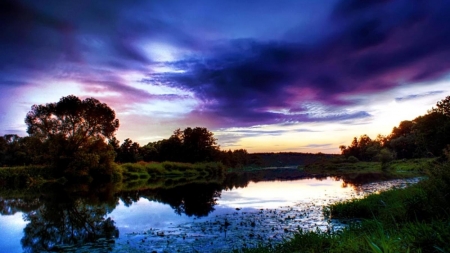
(266, 76)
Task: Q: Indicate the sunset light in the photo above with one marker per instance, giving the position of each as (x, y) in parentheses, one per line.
(288, 81)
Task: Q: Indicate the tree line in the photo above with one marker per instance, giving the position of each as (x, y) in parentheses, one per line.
(190, 145)
(78, 136)
(425, 136)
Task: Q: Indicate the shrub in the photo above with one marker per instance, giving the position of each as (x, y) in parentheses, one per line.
(352, 159)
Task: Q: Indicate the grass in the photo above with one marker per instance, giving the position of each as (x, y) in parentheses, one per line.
(369, 236)
(411, 165)
(24, 176)
(414, 219)
(144, 175)
(398, 168)
(145, 170)
(125, 177)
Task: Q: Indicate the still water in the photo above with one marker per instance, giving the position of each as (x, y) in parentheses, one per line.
(201, 217)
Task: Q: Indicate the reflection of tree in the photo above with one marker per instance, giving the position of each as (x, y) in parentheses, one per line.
(236, 180)
(195, 199)
(65, 216)
(356, 180)
(11, 206)
(55, 224)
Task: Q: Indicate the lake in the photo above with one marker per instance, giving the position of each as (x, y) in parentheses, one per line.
(244, 210)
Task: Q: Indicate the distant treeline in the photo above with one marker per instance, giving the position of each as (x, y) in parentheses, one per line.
(190, 145)
(77, 136)
(198, 144)
(425, 136)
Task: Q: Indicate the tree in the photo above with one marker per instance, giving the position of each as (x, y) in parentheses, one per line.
(149, 152)
(190, 145)
(402, 140)
(17, 151)
(128, 152)
(432, 133)
(443, 107)
(72, 128)
(73, 119)
(364, 148)
(199, 144)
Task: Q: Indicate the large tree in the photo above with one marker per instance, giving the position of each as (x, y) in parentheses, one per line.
(74, 119)
(74, 129)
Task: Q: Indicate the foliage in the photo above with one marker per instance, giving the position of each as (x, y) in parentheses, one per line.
(151, 171)
(20, 177)
(238, 158)
(432, 132)
(443, 107)
(73, 132)
(364, 148)
(385, 156)
(73, 119)
(190, 145)
(128, 152)
(424, 136)
(446, 153)
(352, 159)
(21, 151)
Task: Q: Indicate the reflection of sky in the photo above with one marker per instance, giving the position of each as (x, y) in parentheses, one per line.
(276, 194)
(11, 232)
(145, 214)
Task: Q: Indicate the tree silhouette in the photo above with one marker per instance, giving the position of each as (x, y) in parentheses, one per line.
(190, 145)
(443, 107)
(74, 129)
(128, 152)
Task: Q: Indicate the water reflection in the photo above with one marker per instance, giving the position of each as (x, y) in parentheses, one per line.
(55, 225)
(190, 199)
(63, 218)
(59, 218)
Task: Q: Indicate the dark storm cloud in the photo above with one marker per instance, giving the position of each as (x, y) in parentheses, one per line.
(372, 46)
(247, 62)
(86, 41)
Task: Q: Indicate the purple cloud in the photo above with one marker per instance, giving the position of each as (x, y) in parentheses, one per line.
(249, 82)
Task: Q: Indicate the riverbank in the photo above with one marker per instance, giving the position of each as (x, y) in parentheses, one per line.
(149, 175)
(415, 219)
(398, 168)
